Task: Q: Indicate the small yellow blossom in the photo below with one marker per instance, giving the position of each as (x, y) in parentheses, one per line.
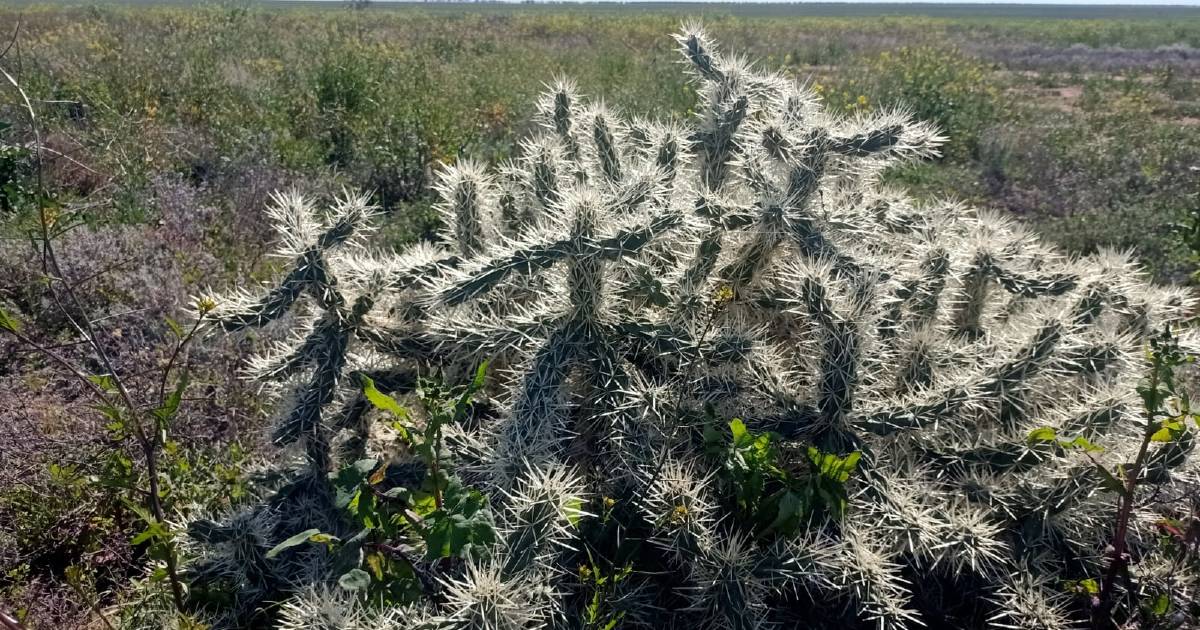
(679, 515)
(206, 305)
(723, 295)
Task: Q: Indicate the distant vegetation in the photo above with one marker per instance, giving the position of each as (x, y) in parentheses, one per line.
(165, 128)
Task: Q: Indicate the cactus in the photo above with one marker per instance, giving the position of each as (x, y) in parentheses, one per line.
(636, 285)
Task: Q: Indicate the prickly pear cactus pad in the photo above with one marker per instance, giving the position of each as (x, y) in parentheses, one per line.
(733, 381)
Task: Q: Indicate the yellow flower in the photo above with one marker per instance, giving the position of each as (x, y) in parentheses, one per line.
(723, 294)
(50, 216)
(206, 305)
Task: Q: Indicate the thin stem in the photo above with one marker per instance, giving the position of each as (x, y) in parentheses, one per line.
(13, 40)
(9, 622)
(53, 270)
(437, 477)
(1118, 560)
(162, 384)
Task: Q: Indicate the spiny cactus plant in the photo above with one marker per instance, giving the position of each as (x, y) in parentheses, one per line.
(637, 286)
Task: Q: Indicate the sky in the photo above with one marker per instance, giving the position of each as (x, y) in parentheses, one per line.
(1073, 2)
(1179, 3)
(1070, 2)
(1061, 2)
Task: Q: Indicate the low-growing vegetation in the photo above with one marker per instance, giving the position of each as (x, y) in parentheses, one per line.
(861, 334)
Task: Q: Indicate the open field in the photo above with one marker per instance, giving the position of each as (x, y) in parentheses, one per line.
(165, 128)
(962, 11)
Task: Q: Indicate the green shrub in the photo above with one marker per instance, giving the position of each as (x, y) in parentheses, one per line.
(937, 84)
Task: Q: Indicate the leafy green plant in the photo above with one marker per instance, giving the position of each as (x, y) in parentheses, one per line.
(1167, 414)
(1167, 410)
(598, 615)
(935, 83)
(451, 520)
(774, 499)
(342, 87)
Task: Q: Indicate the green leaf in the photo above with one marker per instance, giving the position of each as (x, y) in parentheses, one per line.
(347, 497)
(423, 503)
(171, 406)
(323, 539)
(154, 531)
(612, 623)
(480, 374)
(299, 539)
(176, 329)
(463, 524)
(140, 510)
(381, 400)
(738, 430)
(376, 563)
(464, 401)
(378, 476)
(1043, 434)
(1161, 605)
(400, 493)
(1087, 586)
(574, 510)
(8, 322)
(349, 555)
(1169, 432)
(1108, 481)
(1081, 443)
(399, 427)
(842, 466)
(355, 473)
(714, 440)
(791, 508)
(832, 467)
(112, 413)
(355, 580)
(104, 382)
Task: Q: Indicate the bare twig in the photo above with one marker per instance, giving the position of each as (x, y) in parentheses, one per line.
(13, 40)
(73, 160)
(58, 358)
(9, 622)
